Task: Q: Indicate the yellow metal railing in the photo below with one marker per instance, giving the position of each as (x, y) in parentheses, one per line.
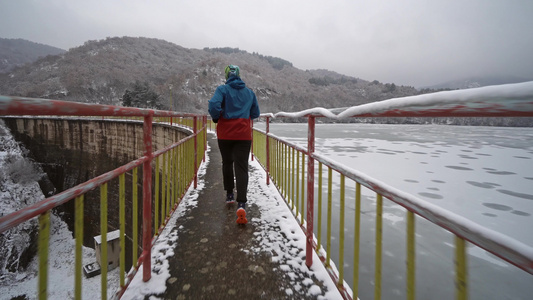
(288, 173)
(44, 236)
(281, 159)
(79, 244)
(175, 169)
(170, 182)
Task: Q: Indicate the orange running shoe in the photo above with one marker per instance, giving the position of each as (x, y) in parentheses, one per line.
(241, 214)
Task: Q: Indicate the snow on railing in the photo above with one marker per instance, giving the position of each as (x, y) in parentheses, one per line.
(510, 100)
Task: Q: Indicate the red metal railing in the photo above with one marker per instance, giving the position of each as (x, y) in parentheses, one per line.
(506, 101)
(278, 159)
(190, 152)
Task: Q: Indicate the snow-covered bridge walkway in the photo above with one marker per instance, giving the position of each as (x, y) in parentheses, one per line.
(204, 254)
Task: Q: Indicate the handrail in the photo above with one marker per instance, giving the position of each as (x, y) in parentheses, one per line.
(509, 249)
(17, 106)
(512, 100)
(175, 180)
(9, 221)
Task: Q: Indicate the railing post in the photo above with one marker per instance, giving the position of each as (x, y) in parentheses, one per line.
(43, 250)
(195, 129)
(147, 199)
(310, 189)
(204, 128)
(267, 150)
(252, 150)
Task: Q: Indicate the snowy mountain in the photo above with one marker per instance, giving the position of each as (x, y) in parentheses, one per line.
(101, 72)
(18, 52)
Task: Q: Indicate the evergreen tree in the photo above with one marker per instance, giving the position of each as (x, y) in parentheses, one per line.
(141, 96)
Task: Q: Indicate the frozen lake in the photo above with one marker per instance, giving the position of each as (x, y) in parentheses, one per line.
(482, 173)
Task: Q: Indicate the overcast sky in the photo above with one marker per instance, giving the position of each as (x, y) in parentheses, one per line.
(406, 42)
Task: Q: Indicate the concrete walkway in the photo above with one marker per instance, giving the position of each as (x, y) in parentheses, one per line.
(217, 259)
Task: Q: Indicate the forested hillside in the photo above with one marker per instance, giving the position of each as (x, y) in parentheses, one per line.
(126, 70)
(102, 71)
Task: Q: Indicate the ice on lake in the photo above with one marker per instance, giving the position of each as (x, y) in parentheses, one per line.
(482, 173)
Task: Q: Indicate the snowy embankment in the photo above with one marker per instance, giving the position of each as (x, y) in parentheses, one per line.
(18, 188)
(18, 259)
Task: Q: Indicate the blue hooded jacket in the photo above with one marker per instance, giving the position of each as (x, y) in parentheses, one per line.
(234, 105)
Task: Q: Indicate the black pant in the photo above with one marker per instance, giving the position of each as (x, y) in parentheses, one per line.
(235, 155)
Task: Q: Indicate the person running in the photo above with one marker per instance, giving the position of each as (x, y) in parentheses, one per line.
(232, 107)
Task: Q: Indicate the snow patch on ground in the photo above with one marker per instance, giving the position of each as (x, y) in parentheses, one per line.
(277, 224)
(60, 270)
